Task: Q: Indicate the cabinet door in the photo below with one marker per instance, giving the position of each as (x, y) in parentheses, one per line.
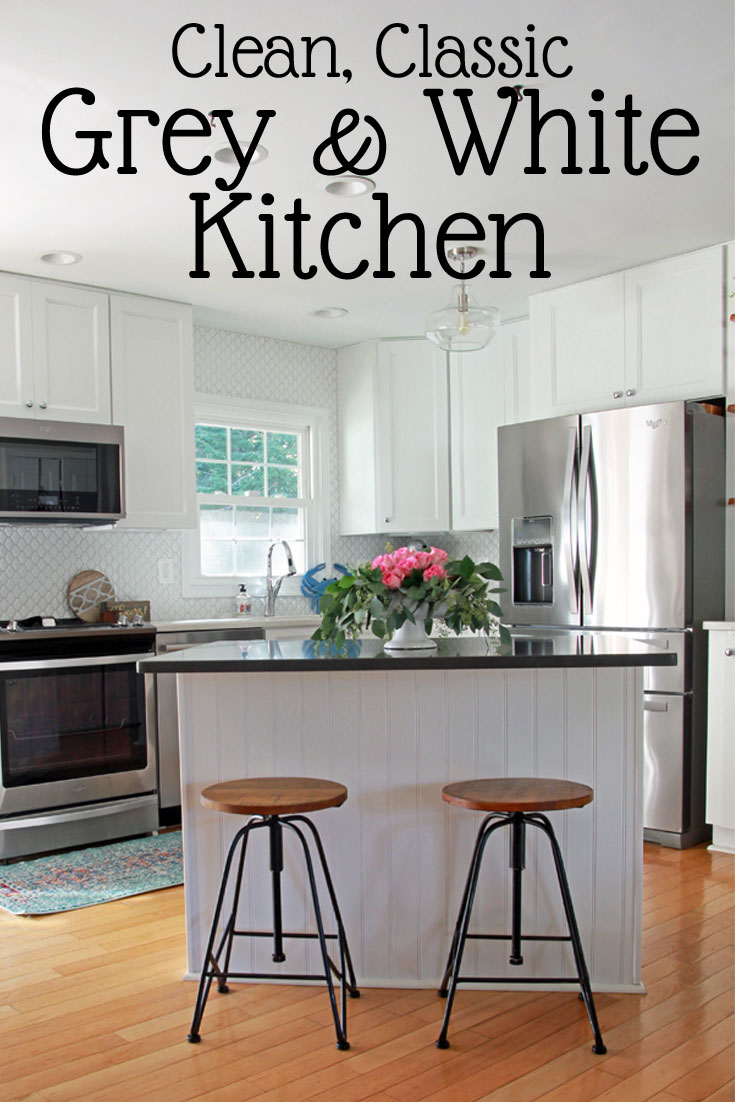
(17, 398)
(71, 353)
(153, 399)
(517, 370)
(577, 348)
(477, 387)
(413, 438)
(720, 732)
(674, 328)
(357, 368)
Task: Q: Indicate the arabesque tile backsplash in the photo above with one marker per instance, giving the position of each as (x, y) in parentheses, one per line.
(37, 562)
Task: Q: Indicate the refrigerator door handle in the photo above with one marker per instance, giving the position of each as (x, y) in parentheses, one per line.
(571, 546)
(582, 535)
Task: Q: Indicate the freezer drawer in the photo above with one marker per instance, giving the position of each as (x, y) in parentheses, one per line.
(664, 763)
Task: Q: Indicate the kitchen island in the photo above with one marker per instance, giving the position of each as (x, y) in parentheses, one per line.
(395, 730)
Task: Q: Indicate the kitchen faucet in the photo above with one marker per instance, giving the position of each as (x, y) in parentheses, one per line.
(272, 587)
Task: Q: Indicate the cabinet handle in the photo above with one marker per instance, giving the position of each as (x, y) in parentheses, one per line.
(729, 652)
(30, 405)
(630, 393)
(617, 394)
(42, 405)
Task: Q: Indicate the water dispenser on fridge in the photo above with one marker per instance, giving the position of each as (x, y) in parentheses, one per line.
(533, 560)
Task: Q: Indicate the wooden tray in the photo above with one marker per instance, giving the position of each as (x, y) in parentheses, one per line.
(88, 591)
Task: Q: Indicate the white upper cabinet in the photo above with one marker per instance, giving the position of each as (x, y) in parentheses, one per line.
(394, 438)
(650, 334)
(55, 343)
(578, 348)
(674, 328)
(484, 392)
(153, 400)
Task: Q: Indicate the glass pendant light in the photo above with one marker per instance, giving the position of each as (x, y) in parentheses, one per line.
(462, 325)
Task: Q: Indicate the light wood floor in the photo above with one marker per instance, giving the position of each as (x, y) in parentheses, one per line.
(92, 1007)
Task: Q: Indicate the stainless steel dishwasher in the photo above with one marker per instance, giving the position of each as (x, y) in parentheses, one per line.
(167, 717)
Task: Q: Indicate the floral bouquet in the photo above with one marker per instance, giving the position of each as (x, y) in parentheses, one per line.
(404, 584)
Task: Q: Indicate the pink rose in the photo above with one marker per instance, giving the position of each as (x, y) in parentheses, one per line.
(438, 556)
(435, 571)
(392, 579)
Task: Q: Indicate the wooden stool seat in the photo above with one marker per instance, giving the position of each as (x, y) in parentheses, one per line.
(274, 795)
(509, 794)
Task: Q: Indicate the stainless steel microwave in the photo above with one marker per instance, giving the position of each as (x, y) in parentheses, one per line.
(60, 472)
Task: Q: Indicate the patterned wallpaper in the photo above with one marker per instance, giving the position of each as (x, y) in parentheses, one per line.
(37, 563)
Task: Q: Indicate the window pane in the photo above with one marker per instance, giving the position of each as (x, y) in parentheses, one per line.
(216, 521)
(211, 478)
(211, 442)
(282, 482)
(250, 556)
(252, 522)
(246, 478)
(217, 557)
(288, 524)
(247, 444)
(283, 447)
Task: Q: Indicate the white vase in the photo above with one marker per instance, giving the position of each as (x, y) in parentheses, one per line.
(411, 636)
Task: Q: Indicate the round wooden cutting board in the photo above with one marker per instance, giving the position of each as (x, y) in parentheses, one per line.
(87, 593)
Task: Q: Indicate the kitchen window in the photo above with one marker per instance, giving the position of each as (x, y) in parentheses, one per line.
(260, 477)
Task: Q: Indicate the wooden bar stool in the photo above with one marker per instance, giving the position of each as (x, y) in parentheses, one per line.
(515, 802)
(275, 803)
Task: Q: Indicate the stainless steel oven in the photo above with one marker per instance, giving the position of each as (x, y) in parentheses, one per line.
(77, 756)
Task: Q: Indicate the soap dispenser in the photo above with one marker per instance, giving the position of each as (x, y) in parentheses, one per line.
(243, 605)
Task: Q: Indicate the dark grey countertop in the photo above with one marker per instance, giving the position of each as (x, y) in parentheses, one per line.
(538, 650)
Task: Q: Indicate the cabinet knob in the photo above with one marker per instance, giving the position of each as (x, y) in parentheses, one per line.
(729, 652)
(630, 393)
(617, 394)
(386, 520)
(30, 405)
(42, 405)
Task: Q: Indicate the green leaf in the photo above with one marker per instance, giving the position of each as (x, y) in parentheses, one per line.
(490, 570)
(376, 607)
(346, 581)
(378, 627)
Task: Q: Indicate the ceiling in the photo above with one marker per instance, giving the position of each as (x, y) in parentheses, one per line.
(136, 232)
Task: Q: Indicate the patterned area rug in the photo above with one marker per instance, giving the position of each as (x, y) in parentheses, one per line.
(97, 874)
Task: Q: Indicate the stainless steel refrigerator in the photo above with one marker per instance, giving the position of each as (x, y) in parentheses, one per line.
(615, 521)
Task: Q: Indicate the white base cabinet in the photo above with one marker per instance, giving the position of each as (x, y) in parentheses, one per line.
(153, 400)
(721, 736)
(394, 438)
(55, 348)
(650, 334)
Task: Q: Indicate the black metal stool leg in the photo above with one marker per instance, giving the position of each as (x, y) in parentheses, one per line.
(485, 831)
(209, 966)
(517, 865)
(222, 987)
(442, 989)
(583, 975)
(276, 861)
(352, 988)
(339, 1025)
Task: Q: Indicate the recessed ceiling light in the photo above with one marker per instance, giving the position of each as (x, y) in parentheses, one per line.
(329, 312)
(227, 156)
(61, 256)
(349, 187)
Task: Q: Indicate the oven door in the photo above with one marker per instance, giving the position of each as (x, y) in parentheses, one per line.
(73, 731)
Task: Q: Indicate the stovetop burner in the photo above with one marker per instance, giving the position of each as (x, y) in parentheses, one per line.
(63, 623)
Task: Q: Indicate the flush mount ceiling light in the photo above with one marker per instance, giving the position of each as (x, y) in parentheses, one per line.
(349, 187)
(61, 256)
(462, 325)
(227, 157)
(329, 312)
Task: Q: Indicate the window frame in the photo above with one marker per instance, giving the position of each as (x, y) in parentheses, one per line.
(270, 417)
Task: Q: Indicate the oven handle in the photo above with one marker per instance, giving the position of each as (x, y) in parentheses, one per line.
(72, 663)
